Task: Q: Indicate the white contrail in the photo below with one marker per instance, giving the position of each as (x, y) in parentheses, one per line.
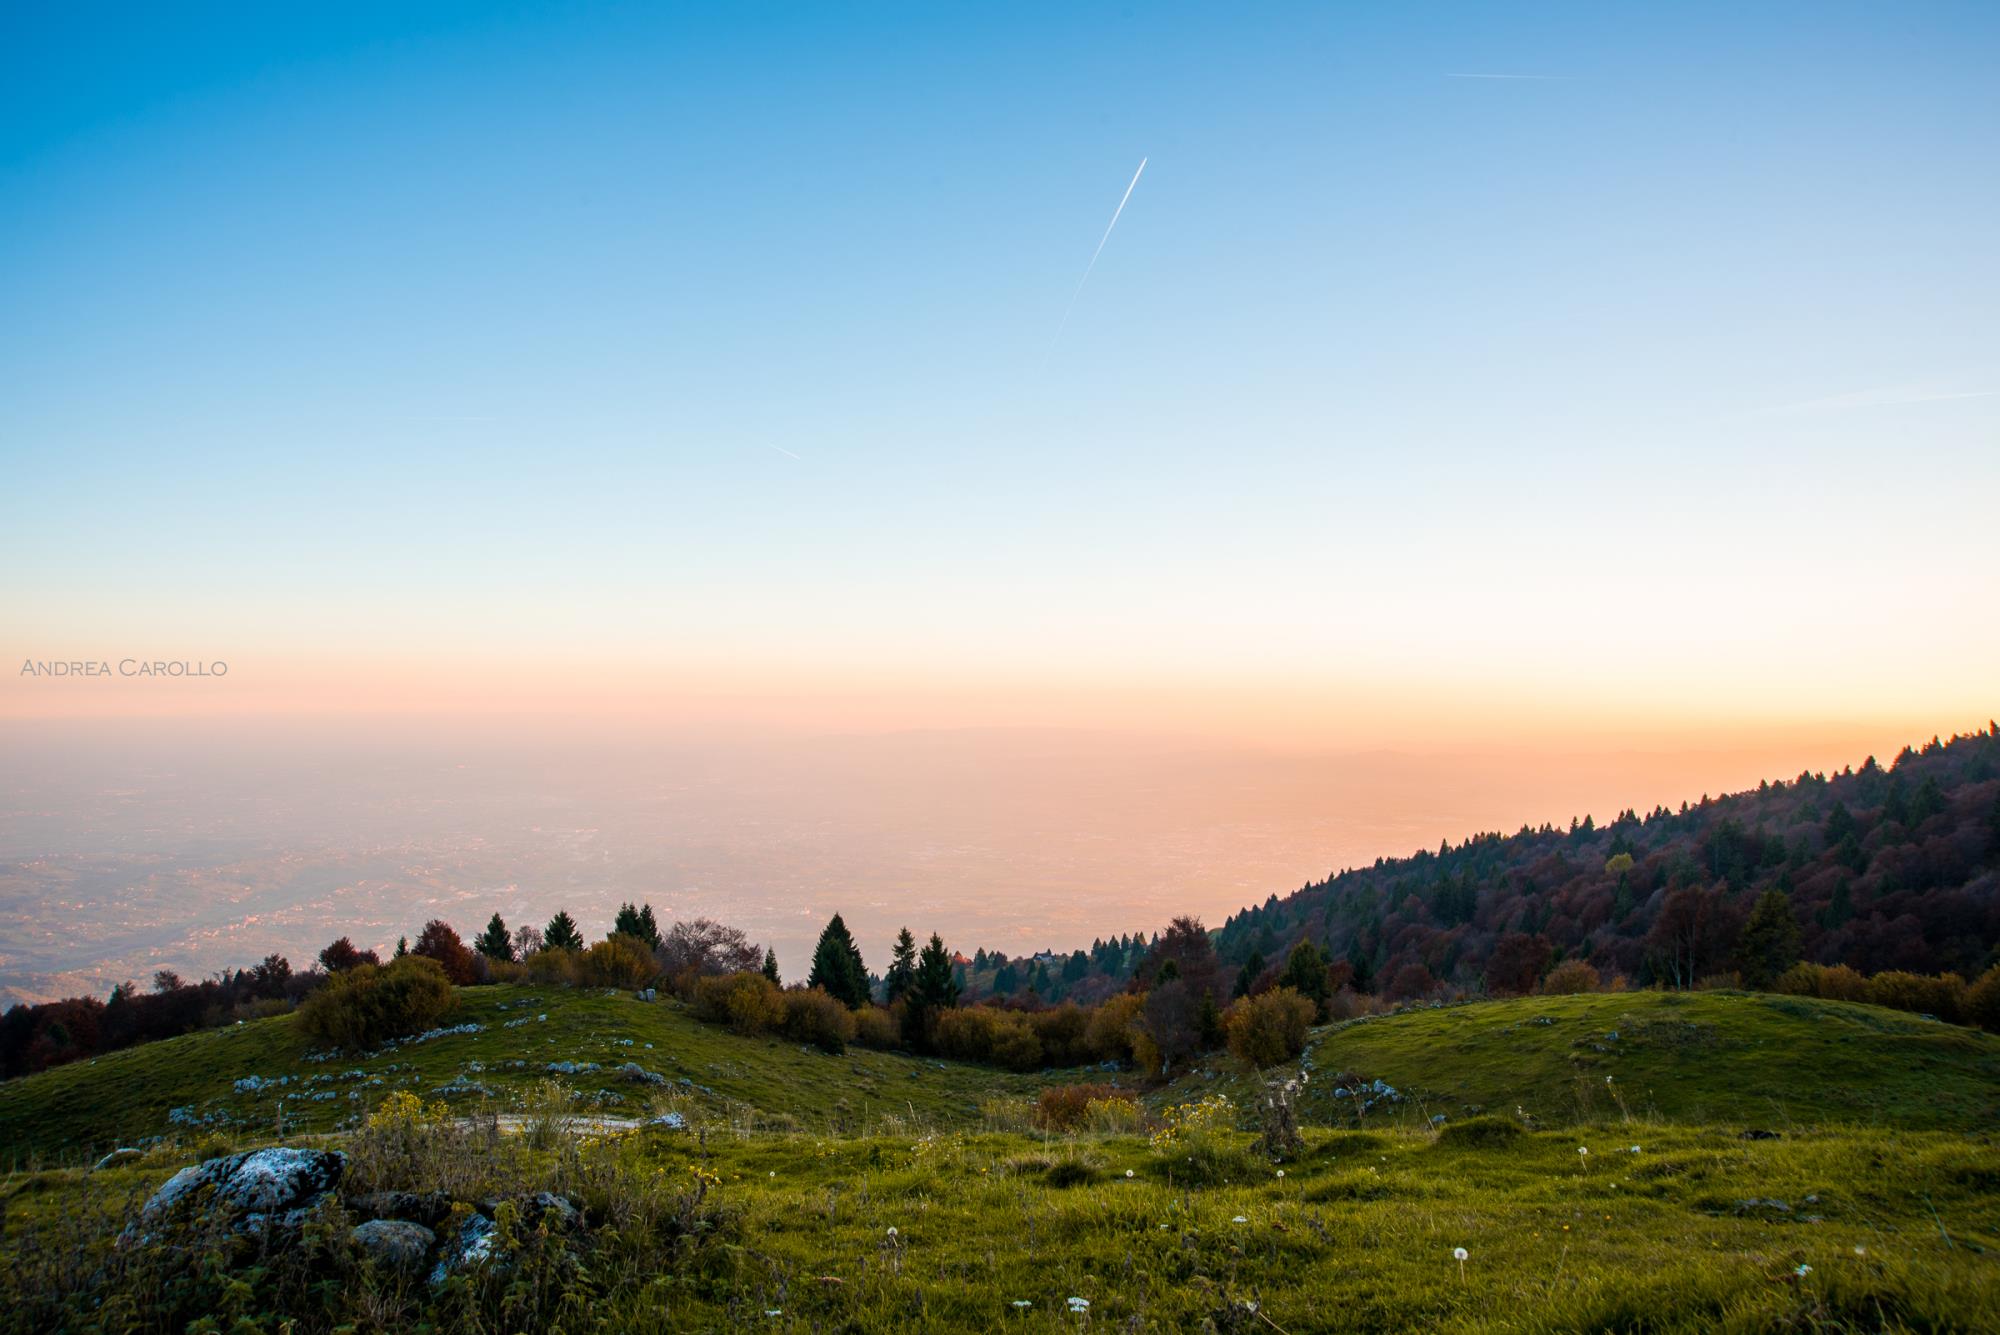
(782, 450)
(1067, 311)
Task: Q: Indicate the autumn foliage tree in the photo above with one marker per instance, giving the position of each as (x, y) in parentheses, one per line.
(440, 943)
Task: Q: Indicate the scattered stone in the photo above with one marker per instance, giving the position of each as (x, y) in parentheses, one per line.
(1756, 1206)
(670, 1121)
(395, 1244)
(122, 1155)
(639, 1075)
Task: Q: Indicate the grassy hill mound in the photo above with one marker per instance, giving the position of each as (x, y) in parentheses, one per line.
(1704, 1057)
(1708, 1058)
(240, 1080)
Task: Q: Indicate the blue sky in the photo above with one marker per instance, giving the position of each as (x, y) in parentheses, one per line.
(725, 336)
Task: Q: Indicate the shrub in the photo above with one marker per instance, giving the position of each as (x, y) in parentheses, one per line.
(616, 961)
(1067, 1107)
(877, 1027)
(811, 1016)
(1107, 1034)
(1061, 1031)
(1835, 983)
(553, 966)
(1940, 996)
(1569, 978)
(368, 1005)
(1268, 1029)
(1982, 1001)
(984, 1034)
(748, 1003)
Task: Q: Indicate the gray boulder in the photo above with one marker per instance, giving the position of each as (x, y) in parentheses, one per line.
(262, 1184)
(395, 1244)
(117, 1158)
(639, 1075)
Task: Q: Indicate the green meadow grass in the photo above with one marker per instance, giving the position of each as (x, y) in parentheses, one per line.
(1744, 1059)
(1874, 1130)
(1706, 1058)
(83, 1109)
(1894, 1232)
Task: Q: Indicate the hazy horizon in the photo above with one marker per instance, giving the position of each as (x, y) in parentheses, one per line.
(124, 850)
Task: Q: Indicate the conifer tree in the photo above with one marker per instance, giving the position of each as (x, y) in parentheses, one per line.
(902, 967)
(837, 965)
(561, 933)
(495, 943)
(933, 988)
(1769, 944)
(1305, 973)
(771, 966)
(402, 946)
(637, 923)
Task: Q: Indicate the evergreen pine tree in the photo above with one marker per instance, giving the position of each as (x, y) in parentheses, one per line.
(495, 943)
(1246, 977)
(561, 933)
(933, 988)
(649, 927)
(771, 966)
(837, 965)
(1305, 973)
(1769, 944)
(402, 946)
(902, 967)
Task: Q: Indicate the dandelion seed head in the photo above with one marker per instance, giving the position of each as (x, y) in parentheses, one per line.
(1460, 1254)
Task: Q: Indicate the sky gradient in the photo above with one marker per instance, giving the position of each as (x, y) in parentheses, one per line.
(701, 367)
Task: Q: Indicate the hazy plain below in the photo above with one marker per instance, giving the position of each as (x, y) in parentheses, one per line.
(131, 847)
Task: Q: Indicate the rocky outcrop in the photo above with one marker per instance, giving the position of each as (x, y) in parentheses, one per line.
(268, 1183)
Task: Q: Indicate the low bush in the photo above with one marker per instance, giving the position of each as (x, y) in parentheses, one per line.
(1925, 995)
(1827, 982)
(1068, 1107)
(616, 961)
(1570, 978)
(1271, 1028)
(985, 1034)
(1109, 1032)
(551, 968)
(878, 1027)
(812, 1016)
(748, 1003)
(368, 1005)
(1982, 1001)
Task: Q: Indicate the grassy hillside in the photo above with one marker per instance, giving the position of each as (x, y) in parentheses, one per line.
(1672, 1229)
(1703, 1057)
(130, 1097)
(1692, 1058)
(869, 1192)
